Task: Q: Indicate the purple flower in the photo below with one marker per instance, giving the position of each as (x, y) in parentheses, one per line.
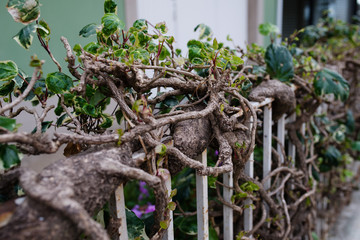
(216, 153)
(143, 191)
(150, 208)
(136, 210)
(140, 210)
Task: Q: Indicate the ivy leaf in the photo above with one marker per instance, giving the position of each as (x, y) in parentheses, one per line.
(9, 155)
(204, 31)
(136, 227)
(24, 37)
(24, 11)
(267, 29)
(141, 54)
(327, 82)
(171, 206)
(89, 110)
(88, 30)
(164, 53)
(107, 121)
(7, 123)
(355, 146)
(164, 224)
(58, 82)
(140, 24)
(111, 23)
(8, 70)
(279, 62)
(44, 126)
(161, 26)
(6, 88)
(236, 61)
(62, 119)
(44, 34)
(110, 6)
(92, 47)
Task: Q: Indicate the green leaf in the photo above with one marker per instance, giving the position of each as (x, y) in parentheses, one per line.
(171, 206)
(24, 11)
(173, 193)
(141, 54)
(213, 234)
(6, 88)
(107, 121)
(8, 70)
(119, 115)
(140, 24)
(215, 44)
(7, 123)
(279, 62)
(9, 155)
(24, 37)
(111, 23)
(236, 61)
(61, 119)
(164, 224)
(58, 82)
(330, 82)
(92, 47)
(161, 26)
(189, 226)
(110, 6)
(42, 32)
(160, 149)
(355, 146)
(204, 31)
(44, 126)
(164, 53)
(136, 227)
(89, 110)
(88, 30)
(268, 28)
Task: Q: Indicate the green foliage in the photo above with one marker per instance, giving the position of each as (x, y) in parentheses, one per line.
(58, 82)
(25, 36)
(9, 155)
(110, 6)
(329, 82)
(88, 30)
(8, 70)
(24, 11)
(136, 227)
(268, 28)
(279, 62)
(111, 23)
(205, 31)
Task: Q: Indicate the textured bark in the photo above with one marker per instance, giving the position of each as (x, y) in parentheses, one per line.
(284, 96)
(80, 179)
(191, 137)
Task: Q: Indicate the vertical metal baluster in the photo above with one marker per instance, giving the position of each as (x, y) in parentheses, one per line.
(202, 202)
(228, 212)
(267, 129)
(121, 212)
(249, 170)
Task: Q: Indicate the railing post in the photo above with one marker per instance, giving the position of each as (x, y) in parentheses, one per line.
(281, 136)
(202, 202)
(121, 212)
(291, 147)
(228, 212)
(249, 170)
(169, 234)
(267, 132)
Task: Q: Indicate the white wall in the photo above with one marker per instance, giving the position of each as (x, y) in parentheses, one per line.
(224, 17)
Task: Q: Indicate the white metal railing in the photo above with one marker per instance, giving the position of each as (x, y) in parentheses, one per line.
(202, 183)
